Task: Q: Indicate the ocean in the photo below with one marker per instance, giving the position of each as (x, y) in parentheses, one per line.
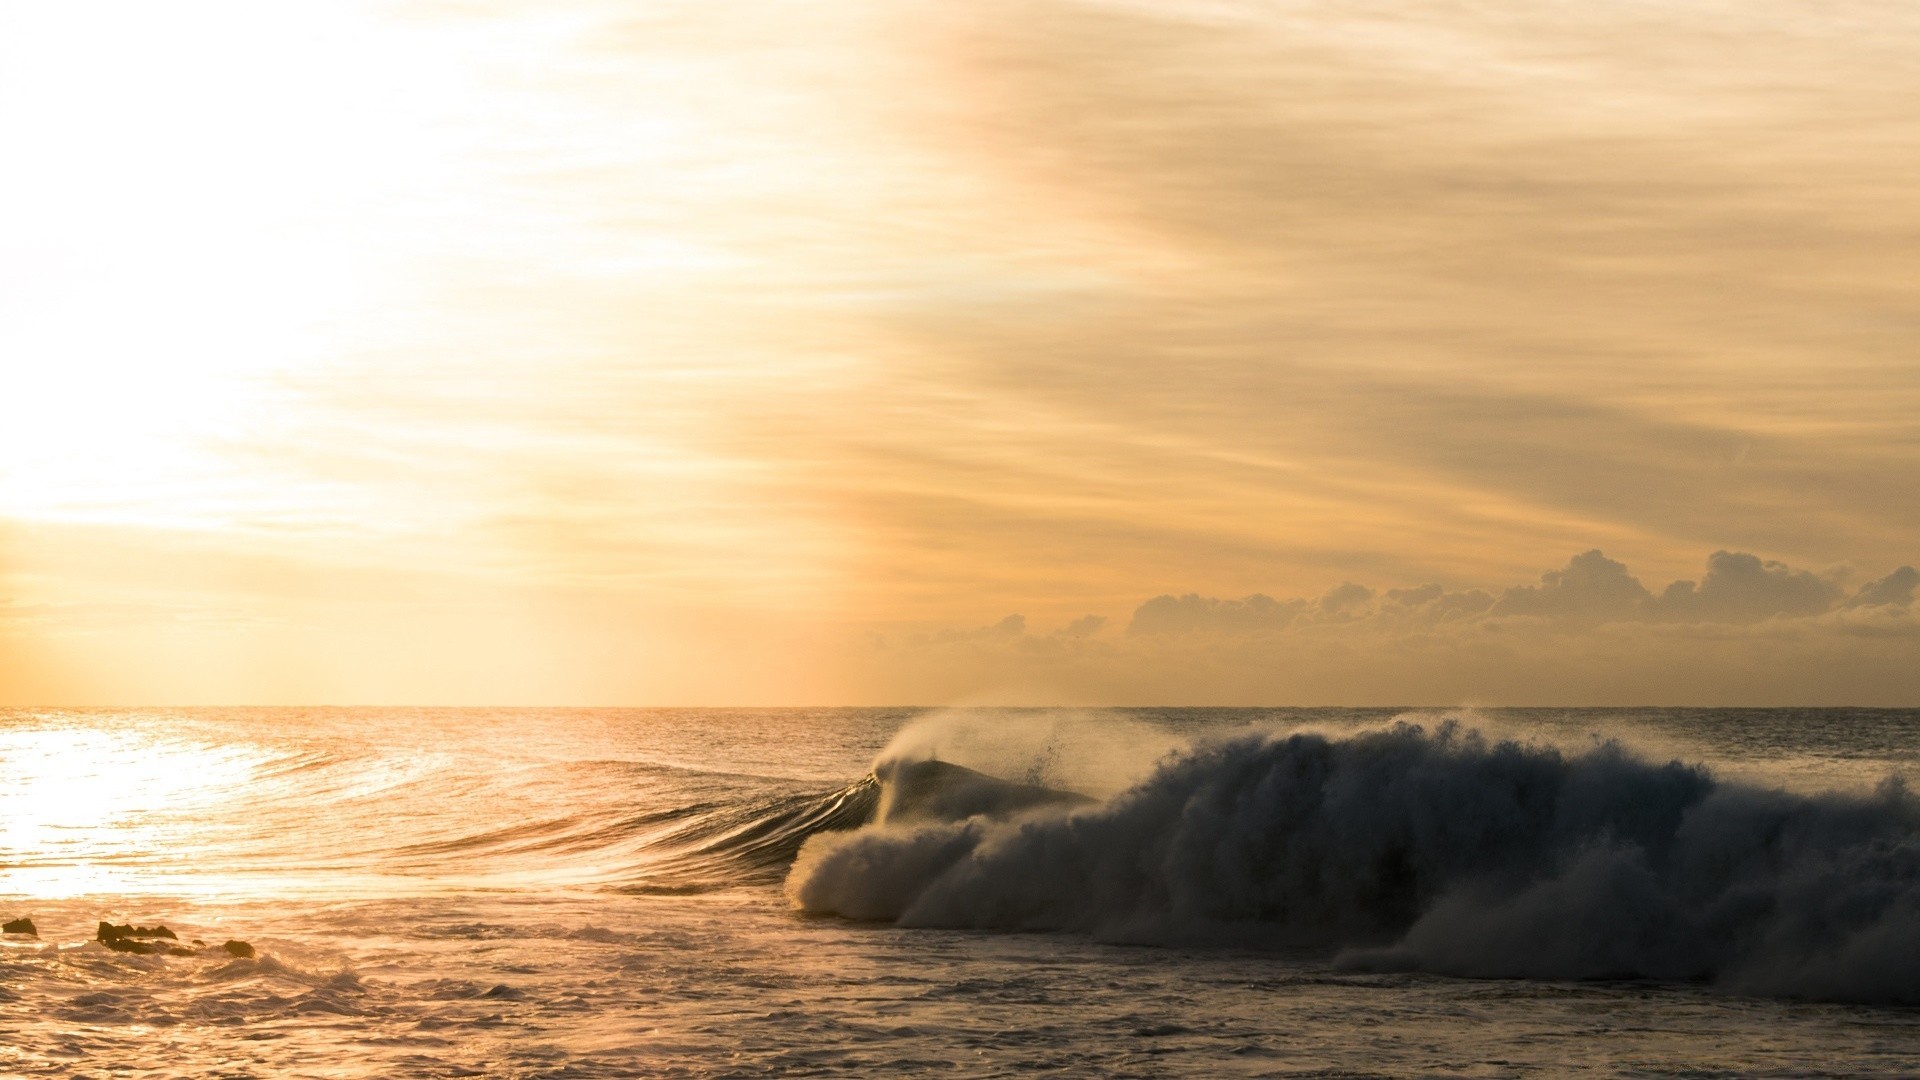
(977, 892)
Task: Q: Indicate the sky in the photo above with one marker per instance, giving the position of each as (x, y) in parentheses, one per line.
(1062, 351)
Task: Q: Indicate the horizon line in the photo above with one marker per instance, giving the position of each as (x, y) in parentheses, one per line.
(928, 708)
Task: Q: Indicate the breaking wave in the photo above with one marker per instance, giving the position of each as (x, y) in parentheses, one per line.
(1414, 848)
(753, 842)
(758, 840)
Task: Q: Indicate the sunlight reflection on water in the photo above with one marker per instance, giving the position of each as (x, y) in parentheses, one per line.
(81, 805)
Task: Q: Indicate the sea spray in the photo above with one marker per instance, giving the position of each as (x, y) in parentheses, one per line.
(1092, 752)
(1432, 849)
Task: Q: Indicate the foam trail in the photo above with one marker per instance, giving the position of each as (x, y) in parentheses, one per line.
(1434, 850)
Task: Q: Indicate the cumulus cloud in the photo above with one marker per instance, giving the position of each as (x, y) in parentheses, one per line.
(1741, 588)
(1589, 586)
(1345, 600)
(1084, 626)
(1434, 602)
(1894, 590)
(1193, 613)
(1011, 628)
(1590, 590)
(1416, 597)
(1747, 631)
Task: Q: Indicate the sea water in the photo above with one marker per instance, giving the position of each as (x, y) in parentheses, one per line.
(656, 892)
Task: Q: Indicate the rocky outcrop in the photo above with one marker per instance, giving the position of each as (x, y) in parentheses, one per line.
(160, 941)
(140, 940)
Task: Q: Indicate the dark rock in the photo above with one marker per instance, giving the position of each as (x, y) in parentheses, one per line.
(110, 932)
(21, 925)
(157, 941)
(126, 938)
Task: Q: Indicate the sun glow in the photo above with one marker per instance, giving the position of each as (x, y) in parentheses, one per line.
(203, 201)
(596, 351)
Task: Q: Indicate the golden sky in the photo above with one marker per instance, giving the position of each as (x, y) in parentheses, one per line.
(679, 352)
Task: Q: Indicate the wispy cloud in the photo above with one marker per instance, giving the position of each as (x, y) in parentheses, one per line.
(699, 331)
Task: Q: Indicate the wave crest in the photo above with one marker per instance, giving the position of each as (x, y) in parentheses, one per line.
(1437, 850)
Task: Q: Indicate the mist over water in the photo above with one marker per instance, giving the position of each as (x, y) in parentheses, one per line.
(647, 892)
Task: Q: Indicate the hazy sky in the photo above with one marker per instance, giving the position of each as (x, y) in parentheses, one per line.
(826, 352)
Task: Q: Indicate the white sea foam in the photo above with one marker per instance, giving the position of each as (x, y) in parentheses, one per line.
(1432, 848)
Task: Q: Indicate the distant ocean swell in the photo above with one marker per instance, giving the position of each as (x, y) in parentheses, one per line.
(1411, 849)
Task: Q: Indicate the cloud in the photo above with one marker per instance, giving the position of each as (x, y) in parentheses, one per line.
(1204, 614)
(1283, 304)
(1590, 590)
(1011, 628)
(1416, 597)
(1878, 621)
(1589, 586)
(1344, 600)
(1434, 602)
(1896, 590)
(1084, 626)
(1742, 588)
(1749, 630)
